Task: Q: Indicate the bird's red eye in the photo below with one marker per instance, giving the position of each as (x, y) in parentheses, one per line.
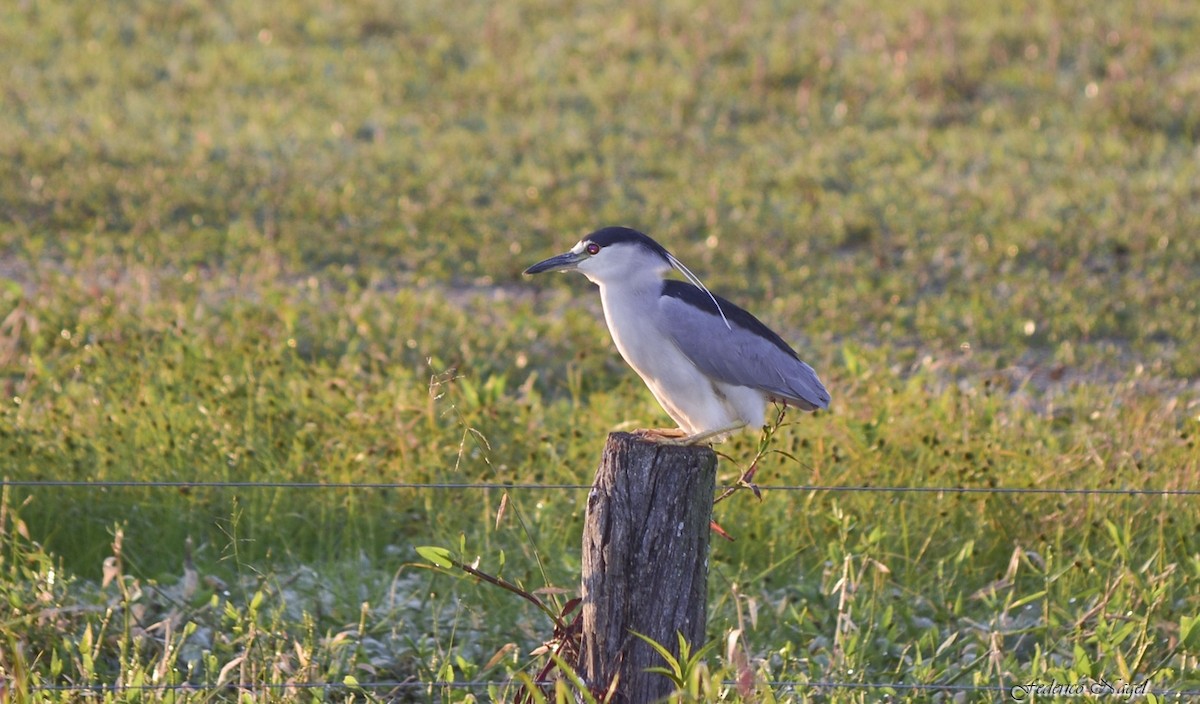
(592, 248)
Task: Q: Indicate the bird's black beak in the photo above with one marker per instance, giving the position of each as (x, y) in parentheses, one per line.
(567, 261)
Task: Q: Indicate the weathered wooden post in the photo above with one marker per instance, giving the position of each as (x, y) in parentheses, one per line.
(645, 561)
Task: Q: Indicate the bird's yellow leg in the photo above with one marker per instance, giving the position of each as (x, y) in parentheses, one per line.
(677, 436)
(659, 434)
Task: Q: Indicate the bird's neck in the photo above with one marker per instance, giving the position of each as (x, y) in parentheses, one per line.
(630, 306)
(643, 287)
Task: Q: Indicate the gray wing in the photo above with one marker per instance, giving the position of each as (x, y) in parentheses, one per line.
(750, 354)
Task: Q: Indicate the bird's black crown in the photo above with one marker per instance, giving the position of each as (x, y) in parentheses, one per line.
(626, 235)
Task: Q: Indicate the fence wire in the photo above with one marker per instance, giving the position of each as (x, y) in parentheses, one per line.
(504, 486)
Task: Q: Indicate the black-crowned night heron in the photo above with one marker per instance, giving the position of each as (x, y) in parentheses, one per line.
(712, 366)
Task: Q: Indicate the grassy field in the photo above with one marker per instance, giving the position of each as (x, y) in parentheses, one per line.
(282, 242)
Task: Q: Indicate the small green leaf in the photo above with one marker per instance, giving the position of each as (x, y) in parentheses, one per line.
(463, 666)
(675, 673)
(965, 552)
(532, 690)
(1189, 631)
(852, 361)
(436, 555)
(946, 644)
(1028, 599)
(1083, 664)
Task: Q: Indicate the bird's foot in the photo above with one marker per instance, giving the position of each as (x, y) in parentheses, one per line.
(678, 437)
(662, 436)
